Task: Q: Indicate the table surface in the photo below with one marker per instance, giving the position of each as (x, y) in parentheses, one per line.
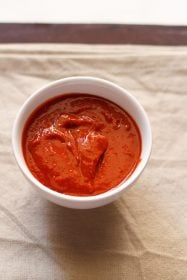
(93, 34)
(83, 11)
(143, 233)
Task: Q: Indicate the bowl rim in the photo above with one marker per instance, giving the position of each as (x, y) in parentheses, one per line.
(94, 198)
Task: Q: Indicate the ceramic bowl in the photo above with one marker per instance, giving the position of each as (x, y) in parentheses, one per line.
(94, 86)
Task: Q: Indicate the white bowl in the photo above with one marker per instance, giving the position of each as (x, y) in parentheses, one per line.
(94, 86)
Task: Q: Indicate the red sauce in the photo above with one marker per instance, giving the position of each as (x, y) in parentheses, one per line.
(81, 145)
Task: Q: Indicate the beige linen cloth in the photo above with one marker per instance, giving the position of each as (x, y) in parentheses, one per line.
(143, 235)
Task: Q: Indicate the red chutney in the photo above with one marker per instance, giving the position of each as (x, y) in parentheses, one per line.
(81, 145)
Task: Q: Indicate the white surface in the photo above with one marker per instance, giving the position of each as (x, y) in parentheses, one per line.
(97, 87)
(95, 11)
